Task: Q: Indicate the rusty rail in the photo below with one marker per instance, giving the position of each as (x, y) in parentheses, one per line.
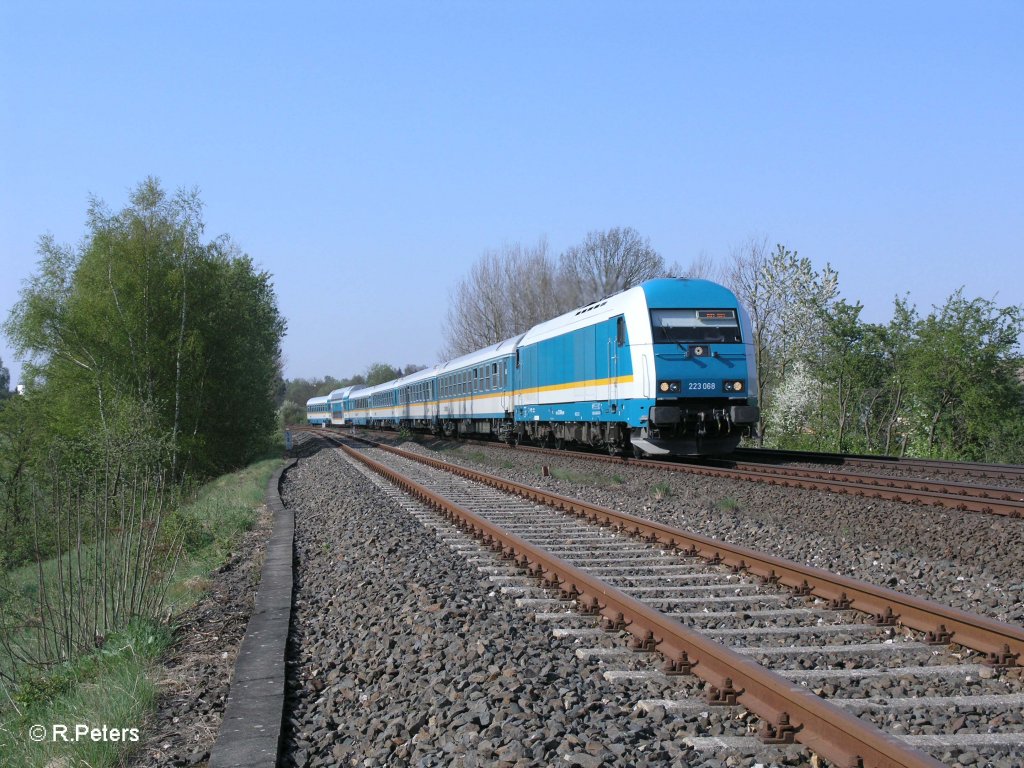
(981, 469)
(961, 496)
(1003, 643)
(790, 711)
(950, 495)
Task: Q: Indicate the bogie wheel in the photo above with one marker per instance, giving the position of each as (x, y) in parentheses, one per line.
(638, 453)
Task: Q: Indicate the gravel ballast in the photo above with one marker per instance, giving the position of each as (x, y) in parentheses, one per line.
(404, 655)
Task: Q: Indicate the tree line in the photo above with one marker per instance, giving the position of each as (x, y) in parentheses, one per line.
(144, 323)
(947, 382)
(943, 383)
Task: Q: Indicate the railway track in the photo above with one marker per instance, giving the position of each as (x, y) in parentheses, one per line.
(955, 495)
(761, 632)
(1010, 472)
(949, 494)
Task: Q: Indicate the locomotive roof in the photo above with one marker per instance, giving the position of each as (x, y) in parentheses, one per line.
(658, 293)
(684, 292)
(589, 314)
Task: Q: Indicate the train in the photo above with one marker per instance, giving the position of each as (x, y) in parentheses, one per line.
(665, 368)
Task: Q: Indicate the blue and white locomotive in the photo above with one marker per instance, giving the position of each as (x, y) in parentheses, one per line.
(666, 367)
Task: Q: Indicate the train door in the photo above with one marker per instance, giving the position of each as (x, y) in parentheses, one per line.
(505, 384)
(616, 342)
(433, 404)
(524, 383)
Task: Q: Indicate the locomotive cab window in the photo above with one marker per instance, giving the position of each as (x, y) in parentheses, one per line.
(695, 326)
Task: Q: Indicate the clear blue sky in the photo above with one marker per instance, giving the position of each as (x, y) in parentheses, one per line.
(366, 154)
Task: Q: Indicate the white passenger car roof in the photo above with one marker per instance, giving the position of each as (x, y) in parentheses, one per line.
(417, 377)
(368, 391)
(501, 349)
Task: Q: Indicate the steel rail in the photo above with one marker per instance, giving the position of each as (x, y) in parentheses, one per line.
(1002, 500)
(820, 481)
(1004, 643)
(790, 710)
(965, 497)
(1003, 471)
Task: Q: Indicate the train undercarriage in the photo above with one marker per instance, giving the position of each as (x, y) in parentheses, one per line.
(691, 429)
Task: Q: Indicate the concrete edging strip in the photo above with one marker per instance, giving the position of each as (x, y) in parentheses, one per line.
(250, 731)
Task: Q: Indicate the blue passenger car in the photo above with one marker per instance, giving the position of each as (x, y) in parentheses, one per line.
(336, 405)
(475, 391)
(318, 411)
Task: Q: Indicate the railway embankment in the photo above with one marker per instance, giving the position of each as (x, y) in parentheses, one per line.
(194, 678)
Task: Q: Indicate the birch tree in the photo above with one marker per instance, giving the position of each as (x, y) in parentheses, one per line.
(5, 382)
(784, 295)
(145, 319)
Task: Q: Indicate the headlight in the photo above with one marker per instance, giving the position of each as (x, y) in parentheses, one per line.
(734, 385)
(669, 386)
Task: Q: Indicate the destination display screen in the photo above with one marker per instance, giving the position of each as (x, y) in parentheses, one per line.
(695, 326)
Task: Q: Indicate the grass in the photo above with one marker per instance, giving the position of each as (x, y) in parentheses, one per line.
(727, 504)
(112, 686)
(661, 491)
(108, 688)
(474, 454)
(223, 511)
